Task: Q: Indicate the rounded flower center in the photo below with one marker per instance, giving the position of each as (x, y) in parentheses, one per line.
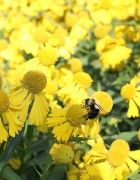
(118, 152)
(128, 91)
(40, 35)
(104, 101)
(121, 143)
(48, 55)
(76, 115)
(4, 102)
(83, 79)
(34, 81)
(62, 153)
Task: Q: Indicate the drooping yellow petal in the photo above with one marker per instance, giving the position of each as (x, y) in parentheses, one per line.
(103, 169)
(15, 124)
(137, 98)
(18, 96)
(92, 156)
(60, 132)
(58, 112)
(133, 109)
(3, 132)
(132, 165)
(25, 106)
(135, 155)
(54, 121)
(39, 111)
(67, 135)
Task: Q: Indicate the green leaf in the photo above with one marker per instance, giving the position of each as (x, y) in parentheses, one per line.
(128, 136)
(9, 174)
(57, 172)
(9, 150)
(134, 176)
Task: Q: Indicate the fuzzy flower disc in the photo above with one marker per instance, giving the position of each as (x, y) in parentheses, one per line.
(62, 153)
(4, 102)
(34, 81)
(128, 91)
(118, 152)
(76, 115)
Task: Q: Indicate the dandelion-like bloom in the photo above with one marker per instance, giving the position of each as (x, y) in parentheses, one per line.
(118, 161)
(9, 122)
(67, 122)
(29, 93)
(62, 153)
(131, 92)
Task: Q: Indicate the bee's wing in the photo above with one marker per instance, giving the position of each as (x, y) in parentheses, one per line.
(103, 111)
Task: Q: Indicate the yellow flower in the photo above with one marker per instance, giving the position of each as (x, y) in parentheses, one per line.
(57, 39)
(75, 65)
(40, 35)
(22, 38)
(83, 79)
(113, 52)
(70, 19)
(3, 44)
(9, 122)
(118, 161)
(73, 86)
(48, 55)
(62, 153)
(28, 92)
(68, 122)
(131, 92)
(74, 172)
(101, 30)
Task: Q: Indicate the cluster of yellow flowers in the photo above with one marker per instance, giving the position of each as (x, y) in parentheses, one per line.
(43, 83)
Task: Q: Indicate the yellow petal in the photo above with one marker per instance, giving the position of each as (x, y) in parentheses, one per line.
(60, 132)
(25, 106)
(54, 121)
(135, 155)
(39, 111)
(14, 123)
(18, 96)
(132, 110)
(3, 132)
(137, 98)
(132, 165)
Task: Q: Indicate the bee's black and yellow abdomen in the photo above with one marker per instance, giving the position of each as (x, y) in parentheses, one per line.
(93, 114)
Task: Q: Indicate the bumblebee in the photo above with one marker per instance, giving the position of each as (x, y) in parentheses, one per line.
(92, 107)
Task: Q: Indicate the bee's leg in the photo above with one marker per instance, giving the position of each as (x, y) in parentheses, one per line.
(85, 117)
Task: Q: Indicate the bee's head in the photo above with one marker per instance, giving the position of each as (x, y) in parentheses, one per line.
(88, 102)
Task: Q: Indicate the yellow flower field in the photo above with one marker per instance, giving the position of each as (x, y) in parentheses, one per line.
(69, 89)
